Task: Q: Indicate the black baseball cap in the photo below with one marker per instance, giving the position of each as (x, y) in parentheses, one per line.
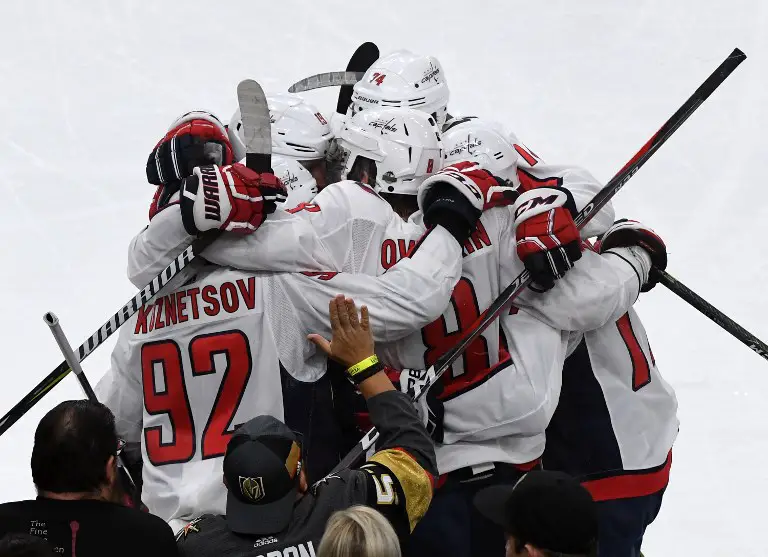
(261, 470)
(549, 510)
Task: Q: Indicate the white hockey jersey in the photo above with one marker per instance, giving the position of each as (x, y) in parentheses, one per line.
(191, 366)
(617, 414)
(357, 231)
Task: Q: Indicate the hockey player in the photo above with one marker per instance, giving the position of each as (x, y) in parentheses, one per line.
(168, 358)
(271, 508)
(616, 419)
(347, 224)
(406, 80)
(299, 132)
(299, 184)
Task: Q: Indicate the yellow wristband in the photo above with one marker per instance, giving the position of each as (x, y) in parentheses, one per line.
(363, 365)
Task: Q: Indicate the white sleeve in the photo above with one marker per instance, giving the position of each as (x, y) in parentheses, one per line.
(410, 295)
(120, 390)
(598, 290)
(314, 237)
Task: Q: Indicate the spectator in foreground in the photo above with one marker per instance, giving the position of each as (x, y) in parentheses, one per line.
(25, 545)
(270, 508)
(359, 531)
(545, 514)
(74, 468)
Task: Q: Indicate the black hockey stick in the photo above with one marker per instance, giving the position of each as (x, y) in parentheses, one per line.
(362, 59)
(522, 281)
(258, 157)
(739, 332)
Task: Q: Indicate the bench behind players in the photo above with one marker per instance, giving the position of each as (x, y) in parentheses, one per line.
(270, 508)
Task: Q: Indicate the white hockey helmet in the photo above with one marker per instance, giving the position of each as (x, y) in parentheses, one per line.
(403, 79)
(300, 184)
(473, 139)
(404, 143)
(299, 130)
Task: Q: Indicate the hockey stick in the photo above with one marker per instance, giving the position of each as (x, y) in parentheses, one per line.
(327, 79)
(739, 332)
(362, 59)
(521, 282)
(69, 356)
(258, 157)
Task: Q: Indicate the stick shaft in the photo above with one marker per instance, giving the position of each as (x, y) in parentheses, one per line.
(739, 332)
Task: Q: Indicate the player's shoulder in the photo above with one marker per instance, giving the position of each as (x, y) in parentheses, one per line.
(360, 199)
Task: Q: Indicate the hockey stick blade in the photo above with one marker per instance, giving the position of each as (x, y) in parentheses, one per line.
(256, 125)
(362, 59)
(253, 106)
(603, 196)
(327, 79)
(728, 324)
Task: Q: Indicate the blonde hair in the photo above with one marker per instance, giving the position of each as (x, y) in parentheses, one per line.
(359, 531)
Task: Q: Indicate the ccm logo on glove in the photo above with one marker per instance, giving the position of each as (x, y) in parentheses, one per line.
(537, 203)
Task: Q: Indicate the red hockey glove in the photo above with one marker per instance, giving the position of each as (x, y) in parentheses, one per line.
(548, 241)
(627, 233)
(481, 188)
(456, 196)
(195, 139)
(232, 198)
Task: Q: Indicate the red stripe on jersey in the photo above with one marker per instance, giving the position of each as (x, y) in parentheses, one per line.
(631, 483)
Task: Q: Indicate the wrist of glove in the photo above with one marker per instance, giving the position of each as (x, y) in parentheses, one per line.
(448, 208)
(230, 198)
(547, 239)
(629, 233)
(195, 139)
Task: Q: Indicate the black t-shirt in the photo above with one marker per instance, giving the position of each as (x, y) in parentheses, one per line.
(89, 528)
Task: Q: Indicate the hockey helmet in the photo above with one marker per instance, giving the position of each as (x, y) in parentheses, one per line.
(404, 143)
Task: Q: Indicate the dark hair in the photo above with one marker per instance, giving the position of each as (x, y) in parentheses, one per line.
(24, 545)
(363, 164)
(73, 443)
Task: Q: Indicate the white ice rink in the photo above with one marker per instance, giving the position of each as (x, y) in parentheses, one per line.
(87, 88)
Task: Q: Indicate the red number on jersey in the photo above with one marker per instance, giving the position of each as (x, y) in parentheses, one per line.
(310, 207)
(641, 371)
(438, 341)
(528, 155)
(165, 393)
(168, 395)
(202, 349)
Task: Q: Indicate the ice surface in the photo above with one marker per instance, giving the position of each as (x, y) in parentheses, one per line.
(89, 86)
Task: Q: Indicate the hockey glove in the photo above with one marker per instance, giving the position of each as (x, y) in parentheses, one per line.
(456, 196)
(548, 241)
(195, 139)
(627, 233)
(430, 408)
(232, 198)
